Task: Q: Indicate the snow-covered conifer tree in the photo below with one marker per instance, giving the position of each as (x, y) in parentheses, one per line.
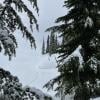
(79, 65)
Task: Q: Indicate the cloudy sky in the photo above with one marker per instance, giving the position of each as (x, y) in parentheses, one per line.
(28, 63)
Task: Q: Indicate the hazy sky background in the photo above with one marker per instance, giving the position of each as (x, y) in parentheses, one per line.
(26, 65)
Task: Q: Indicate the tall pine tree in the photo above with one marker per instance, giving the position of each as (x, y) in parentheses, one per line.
(48, 45)
(56, 43)
(52, 43)
(43, 47)
(80, 29)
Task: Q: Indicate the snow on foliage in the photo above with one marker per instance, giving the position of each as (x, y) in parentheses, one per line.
(93, 64)
(11, 88)
(76, 53)
(39, 94)
(7, 41)
(89, 22)
(95, 99)
(11, 20)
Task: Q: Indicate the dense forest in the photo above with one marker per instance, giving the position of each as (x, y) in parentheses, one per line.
(51, 45)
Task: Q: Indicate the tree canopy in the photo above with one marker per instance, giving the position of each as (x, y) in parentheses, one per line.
(80, 29)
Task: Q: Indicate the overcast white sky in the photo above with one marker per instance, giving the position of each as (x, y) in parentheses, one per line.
(27, 61)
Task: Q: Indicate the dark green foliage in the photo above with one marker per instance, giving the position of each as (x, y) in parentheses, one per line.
(10, 21)
(80, 27)
(43, 47)
(52, 44)
(48, 45)
(56, 42)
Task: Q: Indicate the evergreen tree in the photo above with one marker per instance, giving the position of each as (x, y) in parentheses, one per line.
(56, 43)
(52, 44)
(80, 30)
(43, 47)
(10, 21)
(48, 45)
(12, 89)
